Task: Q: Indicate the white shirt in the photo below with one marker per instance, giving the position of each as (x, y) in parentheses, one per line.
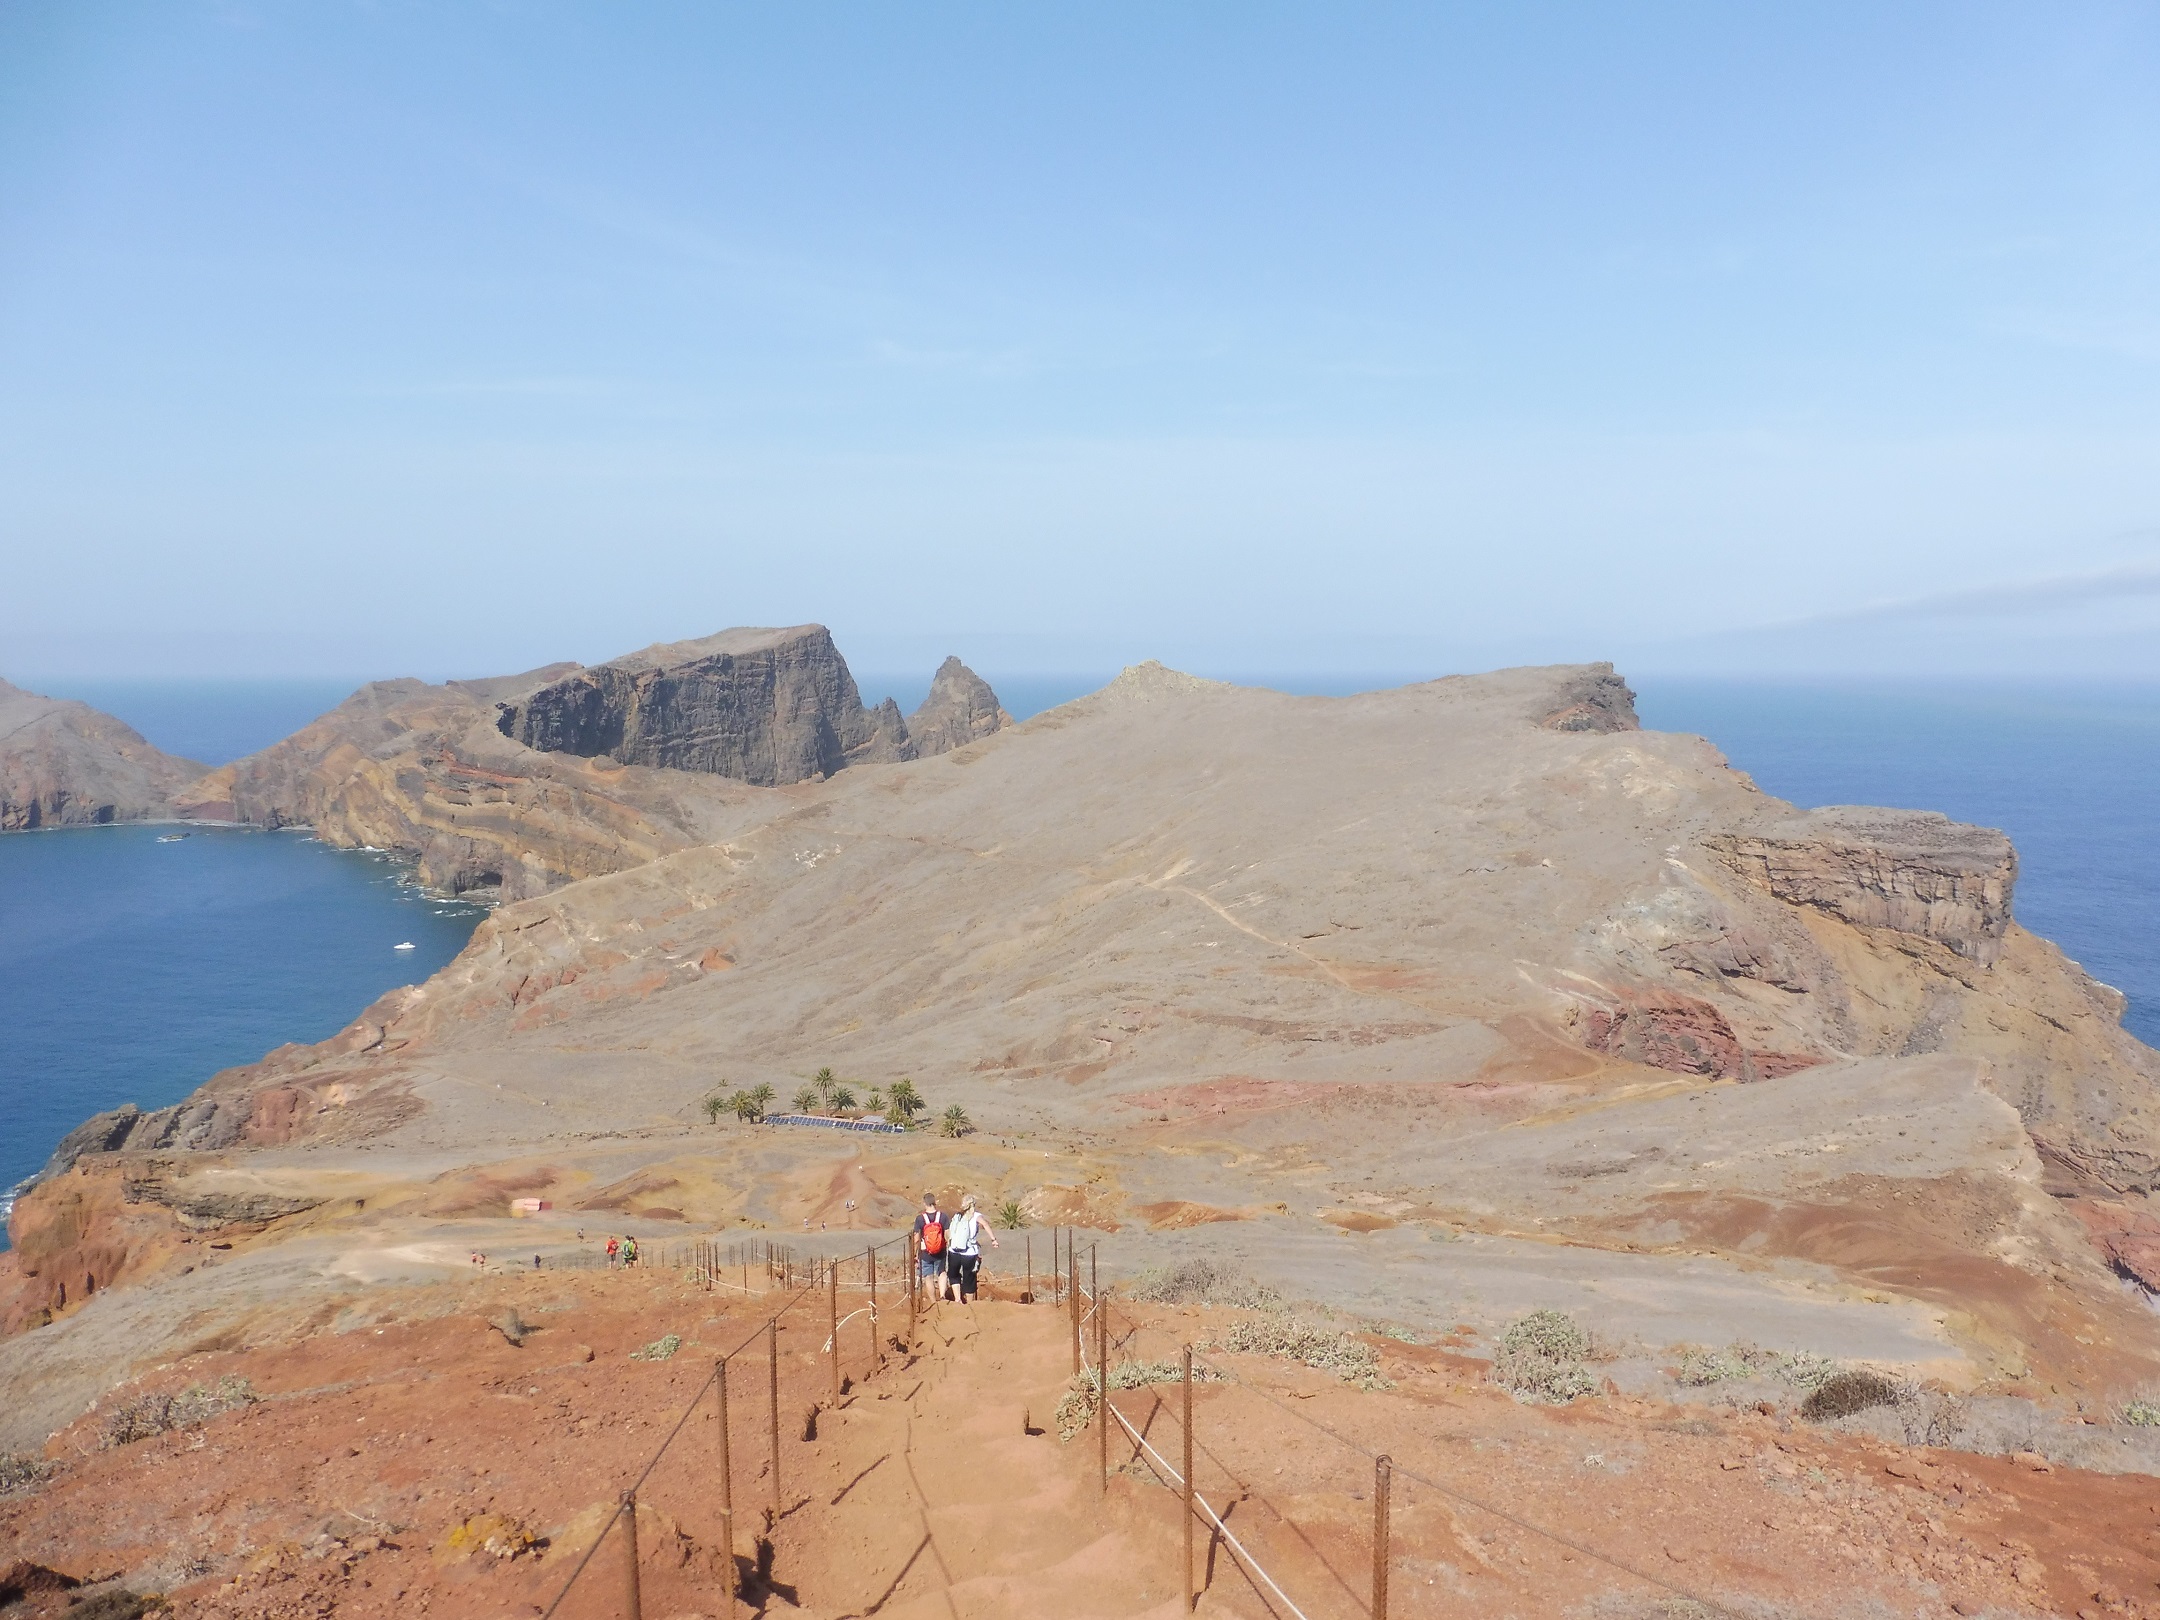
(965, 1233)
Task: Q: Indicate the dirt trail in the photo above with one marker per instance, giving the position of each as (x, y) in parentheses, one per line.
(946, 1495)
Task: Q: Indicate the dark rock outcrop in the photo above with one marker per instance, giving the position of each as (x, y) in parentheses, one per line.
(67, 764)
(763, 706)
(1593, 698)
(1911, 871)
(960, 709)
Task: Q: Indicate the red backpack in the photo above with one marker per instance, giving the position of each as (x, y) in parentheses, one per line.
(933, 1234)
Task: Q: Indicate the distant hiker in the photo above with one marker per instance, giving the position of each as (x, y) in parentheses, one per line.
(536, 1262)
(930, 1246)
(963, 1256)
(629, 1252)
(614, 1250)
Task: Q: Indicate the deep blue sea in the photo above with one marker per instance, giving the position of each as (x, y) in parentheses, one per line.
(131, 970)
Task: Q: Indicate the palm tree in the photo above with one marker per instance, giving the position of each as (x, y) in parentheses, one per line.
(842, 1098)
(806, 1100)
(824, 1080)
(875, 1102)
(905, 1099)
(954, 1121)
(744, 1109)
(762, 1095)
(714, 1107)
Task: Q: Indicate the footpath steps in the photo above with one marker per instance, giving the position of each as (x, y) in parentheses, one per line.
(929, 1499)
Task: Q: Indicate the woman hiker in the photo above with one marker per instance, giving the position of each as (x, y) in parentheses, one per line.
(963, 1248)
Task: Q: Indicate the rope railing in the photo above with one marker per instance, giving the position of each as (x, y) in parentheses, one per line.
(803, 1278)
(1386, 1470)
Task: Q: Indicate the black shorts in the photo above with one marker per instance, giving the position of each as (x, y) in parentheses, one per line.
(960, 1270)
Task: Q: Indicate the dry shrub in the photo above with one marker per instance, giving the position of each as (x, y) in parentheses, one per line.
(1294, 1339)
(1842, 1394)
(147, 1415)
(659, 1350)
(1699, 1368)
(1202, 1282)
(1541, 1359)
(20, 1471)
(2142, 1414)
(1077, 1409)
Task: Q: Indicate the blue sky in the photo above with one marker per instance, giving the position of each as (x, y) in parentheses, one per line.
(399, 338)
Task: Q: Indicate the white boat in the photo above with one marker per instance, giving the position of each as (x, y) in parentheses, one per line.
(170, 838)
(408, 945)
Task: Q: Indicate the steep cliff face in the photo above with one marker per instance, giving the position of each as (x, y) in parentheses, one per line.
(763, 706)
(1911, 871)
(67, 764)
(519, 784)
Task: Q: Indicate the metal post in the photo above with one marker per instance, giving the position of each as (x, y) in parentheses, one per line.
(634, 1600)
(1102, 1388)
(877, 1351)
(1189, 1598)
(914, 1290)
(772, 1363)
(1383, 1473)
(727, 1460)
(1072, 1299)
(832, 1297)
(1030, 1241)
(727, 1540)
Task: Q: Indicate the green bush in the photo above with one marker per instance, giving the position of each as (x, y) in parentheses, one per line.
(1294, 1339)
(2144, 1414)
(659, 1350)
(1541, 1359)
(954, 1122)
(1011, 1216)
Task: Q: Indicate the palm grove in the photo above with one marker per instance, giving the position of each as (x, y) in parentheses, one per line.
(825, 1093)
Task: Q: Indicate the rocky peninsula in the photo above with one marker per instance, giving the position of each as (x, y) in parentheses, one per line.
(1437, 1005)
(65, 764)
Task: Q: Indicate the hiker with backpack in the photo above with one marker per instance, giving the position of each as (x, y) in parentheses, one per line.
(930, 1247)
(963, 1249)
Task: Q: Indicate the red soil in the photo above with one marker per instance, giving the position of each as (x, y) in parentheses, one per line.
(401, 1468)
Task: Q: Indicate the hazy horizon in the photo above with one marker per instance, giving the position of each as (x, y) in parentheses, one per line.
(380, 338)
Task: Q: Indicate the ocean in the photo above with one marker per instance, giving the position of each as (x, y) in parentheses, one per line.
(131, 970)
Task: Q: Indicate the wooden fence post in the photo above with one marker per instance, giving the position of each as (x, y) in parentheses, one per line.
(914, 1290)
(1102, 1391)
(877, 1350)
(772, 1363)
(1029, 1296)
(1189, 1595)
(633, 1599)
(1383, 1475)
(1072, 1298)
(832, 1298)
